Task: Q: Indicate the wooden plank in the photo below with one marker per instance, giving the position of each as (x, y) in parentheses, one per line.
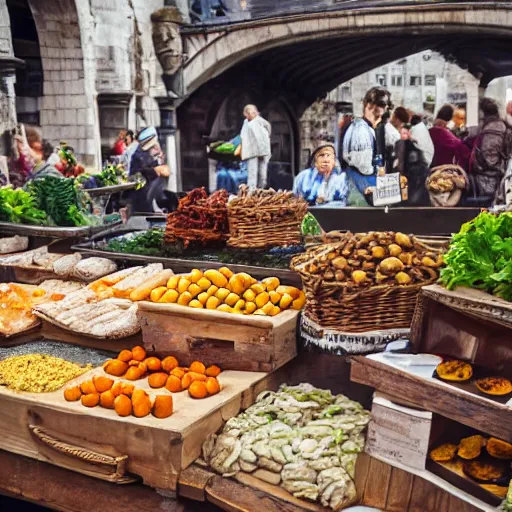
(399, 492)
(457, 505)
(362, 468)
(234, 497)
(435, 396)
(424, 495)
(193, 481)
(376, 490)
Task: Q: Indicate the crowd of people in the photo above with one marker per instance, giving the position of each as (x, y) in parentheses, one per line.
(396, 140)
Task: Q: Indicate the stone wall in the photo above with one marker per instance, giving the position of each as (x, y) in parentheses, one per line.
(68, 109)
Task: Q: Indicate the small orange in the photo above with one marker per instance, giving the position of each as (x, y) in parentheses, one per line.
(115, 367)
(127, 389)
(117, 388)
(197, 367)
(154, 364)
(169, 363)
(125, 355)
(102, 383)
(107, 399)
(186, 381)
(157, 380)
(88, 387)
(134, 373)
(197, 376)
(138, 353)
(178, 372)
(197, 389)
(91, 400)
(173, 384)
(72, 394)
(212, 386)
(162, 408)
(213, 371)
(123, 405)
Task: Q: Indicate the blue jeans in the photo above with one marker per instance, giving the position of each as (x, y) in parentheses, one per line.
(358, 183)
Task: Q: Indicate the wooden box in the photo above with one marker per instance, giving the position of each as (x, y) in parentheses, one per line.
(99, 443)
(235, 342)
(398, 434)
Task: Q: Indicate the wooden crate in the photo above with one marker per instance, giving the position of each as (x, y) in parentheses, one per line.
(236, 342)
(99, 443)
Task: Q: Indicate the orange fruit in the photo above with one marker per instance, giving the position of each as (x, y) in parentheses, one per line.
(117, 388)
(72, 394)
(178, 372)
(138, 353)
(115, 367)
(125, 355)
(154, 364)
(107, 399)
(197, 367)
(158, 380)
(88, 387)
(173, 384)
(123, 405)
(213, 371)
(197, 389)
(197, 376)
(91, 400)
(162, 408)
(102, 383)
(186, 381)
(212, 386)
(169, 363)
(127, 389)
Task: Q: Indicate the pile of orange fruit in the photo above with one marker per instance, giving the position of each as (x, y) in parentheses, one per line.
(199, 380)
(123, 397)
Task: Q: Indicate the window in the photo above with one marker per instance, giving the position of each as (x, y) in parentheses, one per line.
(415, 81)
(430, 79)
(381, 80)
(397, 81)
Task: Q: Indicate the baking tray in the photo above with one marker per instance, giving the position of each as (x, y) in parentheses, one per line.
(53, 231)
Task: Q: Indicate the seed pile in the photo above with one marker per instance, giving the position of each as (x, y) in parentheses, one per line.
(38, 373)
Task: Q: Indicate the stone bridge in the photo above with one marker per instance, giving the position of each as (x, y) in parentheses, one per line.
(284, 61)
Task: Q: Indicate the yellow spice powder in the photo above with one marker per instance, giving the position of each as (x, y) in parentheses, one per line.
(38, 373)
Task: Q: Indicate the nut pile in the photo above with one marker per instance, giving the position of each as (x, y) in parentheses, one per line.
(370, 259)
(38, 373)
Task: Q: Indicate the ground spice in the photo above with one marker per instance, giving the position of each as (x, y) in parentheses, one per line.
(38, 373)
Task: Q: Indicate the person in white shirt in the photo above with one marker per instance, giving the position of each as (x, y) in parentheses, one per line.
(421, 138)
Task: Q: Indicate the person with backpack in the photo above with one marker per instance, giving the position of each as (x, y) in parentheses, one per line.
(491, 152)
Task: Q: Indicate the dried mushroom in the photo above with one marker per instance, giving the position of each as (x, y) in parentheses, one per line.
(499, 449)
(443, 453)
(471, 447)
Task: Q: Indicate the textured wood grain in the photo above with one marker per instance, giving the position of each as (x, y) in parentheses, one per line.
(377, 484)
(424, 495)
(399, 492)
(432, 395)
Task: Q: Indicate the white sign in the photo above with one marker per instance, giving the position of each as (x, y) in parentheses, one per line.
(387, 190)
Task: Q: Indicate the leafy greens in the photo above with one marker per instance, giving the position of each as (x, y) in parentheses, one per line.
(480, 256)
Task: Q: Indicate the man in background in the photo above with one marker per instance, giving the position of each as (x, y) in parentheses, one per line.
(256, 150)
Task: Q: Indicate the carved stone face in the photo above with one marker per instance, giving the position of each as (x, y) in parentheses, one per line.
(168, 46)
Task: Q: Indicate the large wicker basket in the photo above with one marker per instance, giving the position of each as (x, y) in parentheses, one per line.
(378, 307)
(265, 218)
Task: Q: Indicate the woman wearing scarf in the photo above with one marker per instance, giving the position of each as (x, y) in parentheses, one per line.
(324, 182)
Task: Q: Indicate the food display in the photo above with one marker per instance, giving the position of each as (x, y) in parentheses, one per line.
(366, 276)
(13, 244)
(81, 312)
(265, 218)
(479, 256)
(221, 290)
(125, 399)
(38, 373)
(304, 439)
(200, 218)
(199, 380)
(446, 184)
(20, 207)
(456, 371)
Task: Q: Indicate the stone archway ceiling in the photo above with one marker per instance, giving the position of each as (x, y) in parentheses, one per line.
(313, 68)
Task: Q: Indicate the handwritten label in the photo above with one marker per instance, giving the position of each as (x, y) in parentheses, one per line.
(387, 190)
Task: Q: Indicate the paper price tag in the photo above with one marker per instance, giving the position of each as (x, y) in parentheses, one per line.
(387, 190)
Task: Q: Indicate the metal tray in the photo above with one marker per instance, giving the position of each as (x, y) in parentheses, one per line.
(184, 265)
(55, 232)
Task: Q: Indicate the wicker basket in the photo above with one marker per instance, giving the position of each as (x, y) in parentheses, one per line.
(267, 219)
(379, 307)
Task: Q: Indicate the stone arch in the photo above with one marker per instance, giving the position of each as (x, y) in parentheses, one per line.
(68, 106)
(213, 52)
